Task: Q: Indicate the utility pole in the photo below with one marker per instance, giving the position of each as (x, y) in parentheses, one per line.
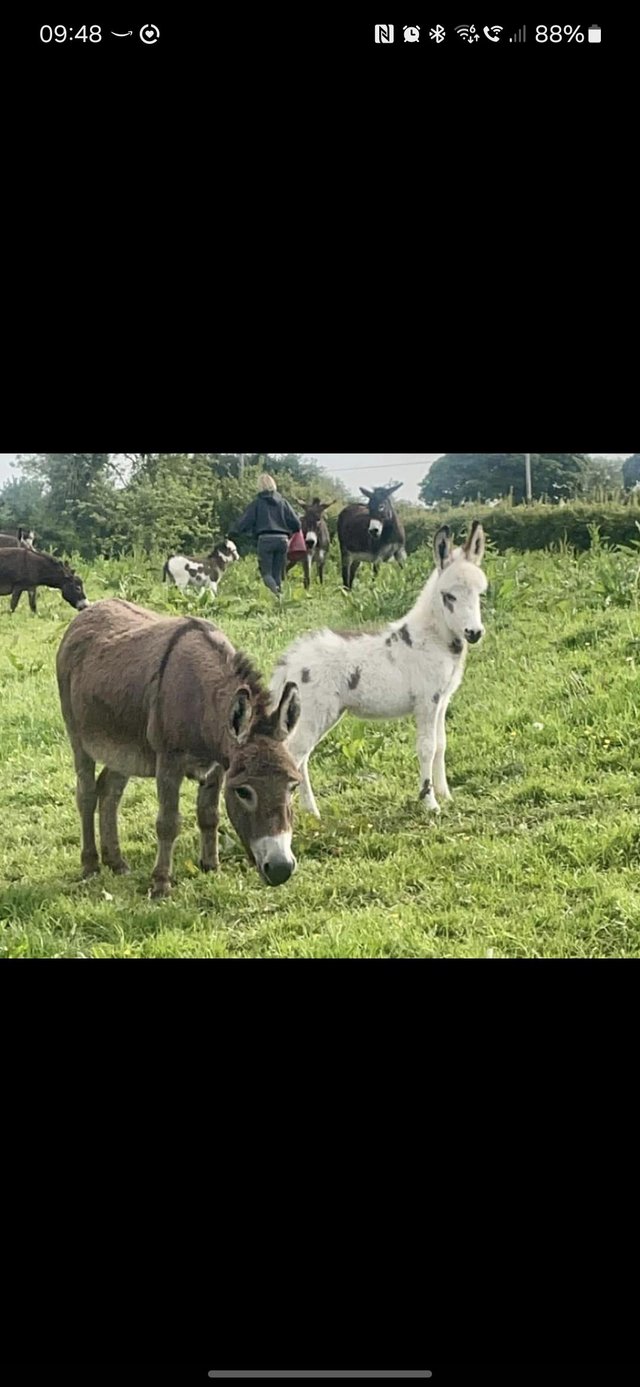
(242, 458)
(527, 476)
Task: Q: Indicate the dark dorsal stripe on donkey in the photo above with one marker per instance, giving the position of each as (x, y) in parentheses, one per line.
(316, 536)
(371, 533)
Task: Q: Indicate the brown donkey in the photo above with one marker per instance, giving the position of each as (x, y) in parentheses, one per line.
(170, 697)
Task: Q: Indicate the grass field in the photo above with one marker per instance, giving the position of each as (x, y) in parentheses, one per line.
(537, 856)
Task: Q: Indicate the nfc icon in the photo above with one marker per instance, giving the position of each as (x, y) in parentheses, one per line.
(384, 33)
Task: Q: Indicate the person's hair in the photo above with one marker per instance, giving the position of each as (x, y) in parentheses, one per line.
(266, 483)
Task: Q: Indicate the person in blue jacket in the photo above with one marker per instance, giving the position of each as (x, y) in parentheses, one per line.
(271, 521)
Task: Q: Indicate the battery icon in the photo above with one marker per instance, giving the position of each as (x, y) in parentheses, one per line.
(595, 33)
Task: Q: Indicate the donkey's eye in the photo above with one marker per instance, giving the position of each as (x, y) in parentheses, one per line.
(293, 787)
(244, 794)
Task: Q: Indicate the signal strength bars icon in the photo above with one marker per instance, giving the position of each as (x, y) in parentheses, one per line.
(520, 36)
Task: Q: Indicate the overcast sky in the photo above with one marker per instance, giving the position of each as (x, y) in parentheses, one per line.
(354, 469)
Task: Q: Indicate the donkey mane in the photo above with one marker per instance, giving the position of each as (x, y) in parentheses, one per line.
(246, 673)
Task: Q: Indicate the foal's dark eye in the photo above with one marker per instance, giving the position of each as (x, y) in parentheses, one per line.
(242, 793)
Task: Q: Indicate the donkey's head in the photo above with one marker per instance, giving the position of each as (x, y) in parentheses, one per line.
(460, 583)
(26, 538)
(225, 551)
(72, 589)
(313, 512)
(380, 507)
(260, 782)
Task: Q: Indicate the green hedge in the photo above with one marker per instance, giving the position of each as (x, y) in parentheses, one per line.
(530, 527)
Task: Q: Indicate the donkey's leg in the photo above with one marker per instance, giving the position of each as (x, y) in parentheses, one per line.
(208, 811)
(86, 799)
(426, 724)
(306, 564)
(376, 569)
(354, 569)
(400, 557)
(15, 598)
(169, 775)
(32, 599)
(110, 787)
(346, 566)
(307, 798)
(439, 773)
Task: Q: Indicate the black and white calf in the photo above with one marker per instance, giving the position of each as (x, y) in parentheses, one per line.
(201, 573)
(370, 534)
(412, 666)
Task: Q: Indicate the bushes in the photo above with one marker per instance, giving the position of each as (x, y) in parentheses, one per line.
(530, 527)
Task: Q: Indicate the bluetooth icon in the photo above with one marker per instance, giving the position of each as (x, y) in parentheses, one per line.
(437, 33)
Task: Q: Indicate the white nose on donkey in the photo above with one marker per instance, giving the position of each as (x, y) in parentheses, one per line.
(412, 666)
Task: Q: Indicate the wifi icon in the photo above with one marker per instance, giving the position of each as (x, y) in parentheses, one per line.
(467, 32)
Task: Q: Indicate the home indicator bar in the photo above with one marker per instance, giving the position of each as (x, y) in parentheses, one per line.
(318, 1372)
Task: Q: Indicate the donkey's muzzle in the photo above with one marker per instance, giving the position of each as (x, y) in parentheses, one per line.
(473, 636)
(278, 870)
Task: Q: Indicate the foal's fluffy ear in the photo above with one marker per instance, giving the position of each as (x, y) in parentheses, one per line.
(443, 546)
(288, 712)
(240, 715)
(474, 545)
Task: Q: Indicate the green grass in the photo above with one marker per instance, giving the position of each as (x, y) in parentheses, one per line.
(538, 855)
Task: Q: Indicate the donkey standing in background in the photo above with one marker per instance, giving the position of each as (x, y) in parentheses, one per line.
(201, 573)
(23, 569)
(170, 697)
(316, 537)
(371, 533)
(413, 665)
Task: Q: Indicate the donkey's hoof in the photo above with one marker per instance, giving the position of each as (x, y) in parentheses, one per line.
(159, 890)
(121, 868)
(208, 866)
(91, 869)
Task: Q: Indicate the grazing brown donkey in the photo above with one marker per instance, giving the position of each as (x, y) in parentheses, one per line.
(170, 697)
(23, 569)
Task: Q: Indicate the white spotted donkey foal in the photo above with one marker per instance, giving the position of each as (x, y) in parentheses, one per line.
(411, 666)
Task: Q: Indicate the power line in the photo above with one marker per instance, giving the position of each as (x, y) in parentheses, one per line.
(379, 467)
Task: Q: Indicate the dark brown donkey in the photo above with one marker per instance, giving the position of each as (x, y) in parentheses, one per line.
(170, 697)
(23, 569)
(316, 537)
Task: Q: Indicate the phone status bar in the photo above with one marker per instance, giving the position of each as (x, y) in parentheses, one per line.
(469, 35)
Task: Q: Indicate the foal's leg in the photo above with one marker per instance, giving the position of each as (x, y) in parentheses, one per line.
(15, 598)
(208, 811)
(439, 772)
(346, 568)
(354, 569)
(32, 598)
(307, 798)
(86, 799)
(168, 780)
(426, 724)
(110, 787)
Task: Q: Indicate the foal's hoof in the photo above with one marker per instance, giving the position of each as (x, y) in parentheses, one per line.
(159, 890)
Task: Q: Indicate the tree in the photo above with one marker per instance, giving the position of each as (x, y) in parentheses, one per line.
(456, 477)
(631, 470)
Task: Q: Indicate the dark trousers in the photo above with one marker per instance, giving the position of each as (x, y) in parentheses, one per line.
(272, 556)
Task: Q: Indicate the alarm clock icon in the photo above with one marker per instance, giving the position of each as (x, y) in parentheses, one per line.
(149, 33)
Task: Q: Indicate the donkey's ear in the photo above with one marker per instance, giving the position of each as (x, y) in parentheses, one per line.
(288, 712)
(21, 533)
(241, 714)
(390, 489)
(365, 491)
(443, 546)
(475, 544)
